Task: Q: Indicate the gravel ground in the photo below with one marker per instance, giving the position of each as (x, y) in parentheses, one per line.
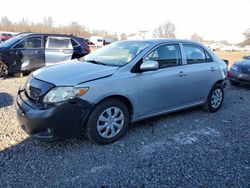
(192, 148)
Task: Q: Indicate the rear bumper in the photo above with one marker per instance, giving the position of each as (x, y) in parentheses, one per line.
(56, 122)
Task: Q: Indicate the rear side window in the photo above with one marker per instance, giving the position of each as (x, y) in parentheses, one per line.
(167, 55)
(30, 43)
(58, 43)
(196, 54)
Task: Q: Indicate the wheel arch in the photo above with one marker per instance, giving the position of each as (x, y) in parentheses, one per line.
(221, 82)
(122, 98)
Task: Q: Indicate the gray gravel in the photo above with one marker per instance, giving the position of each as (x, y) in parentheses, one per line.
(192, 148)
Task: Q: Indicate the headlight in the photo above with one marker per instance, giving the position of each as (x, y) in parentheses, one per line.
(234, 67)
(59, 94)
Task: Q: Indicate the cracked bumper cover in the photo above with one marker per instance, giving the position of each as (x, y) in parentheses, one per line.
(55, 122)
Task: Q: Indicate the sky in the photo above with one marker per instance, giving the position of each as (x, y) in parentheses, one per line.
(212, 19)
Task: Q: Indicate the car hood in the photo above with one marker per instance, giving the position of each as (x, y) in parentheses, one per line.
(73, 72)
(243, 63)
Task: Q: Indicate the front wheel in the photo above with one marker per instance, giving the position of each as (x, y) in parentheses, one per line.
(215, 98)
(108, 121)
(3, 70)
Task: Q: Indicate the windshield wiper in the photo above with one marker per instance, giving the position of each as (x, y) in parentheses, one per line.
(95, 62)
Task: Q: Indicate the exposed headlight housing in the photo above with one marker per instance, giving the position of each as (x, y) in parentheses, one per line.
(59, 94)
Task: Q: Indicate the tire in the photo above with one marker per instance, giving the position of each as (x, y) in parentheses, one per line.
(103, 128)
(215, 98)
(3, 70)
(233, 83)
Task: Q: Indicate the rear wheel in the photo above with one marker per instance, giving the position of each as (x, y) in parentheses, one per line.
(215, 98)
(3, 70)
(108, 121)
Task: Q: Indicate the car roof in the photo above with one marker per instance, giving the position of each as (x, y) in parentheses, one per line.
(48, 34)
(163, 40)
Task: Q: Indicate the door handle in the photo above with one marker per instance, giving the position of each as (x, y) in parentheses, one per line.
(181, 74)
(212, 69)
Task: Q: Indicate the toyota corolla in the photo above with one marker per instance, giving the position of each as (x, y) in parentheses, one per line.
(119, 84)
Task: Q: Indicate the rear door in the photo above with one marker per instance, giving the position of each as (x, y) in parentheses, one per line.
(200, 72)
(30, 52)
(57, 49)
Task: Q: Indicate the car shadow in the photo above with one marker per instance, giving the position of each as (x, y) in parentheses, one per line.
(5, 100)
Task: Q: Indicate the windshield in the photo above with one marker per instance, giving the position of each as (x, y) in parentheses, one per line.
(117, 54)
(12, 40)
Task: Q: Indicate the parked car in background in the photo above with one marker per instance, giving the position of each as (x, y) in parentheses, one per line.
(110, 40)
(118, 84)
(30, 51)
(5, 35)
(239, 73)
(96, 40)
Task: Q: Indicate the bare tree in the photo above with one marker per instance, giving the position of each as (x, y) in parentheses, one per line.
(47, 26)
(196, 37)
(123, 36)
(247, 33)
(247, 38)
(6, 24)
(165, 30)
(48, 21)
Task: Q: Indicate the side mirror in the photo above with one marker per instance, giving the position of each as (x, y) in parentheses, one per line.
(246, 57)
(149, 65)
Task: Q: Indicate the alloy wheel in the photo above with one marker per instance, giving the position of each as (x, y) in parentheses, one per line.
(3, 70)
(216, 98)
(110, 122)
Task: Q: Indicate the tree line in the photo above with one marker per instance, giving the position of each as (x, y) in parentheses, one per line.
(47, 26)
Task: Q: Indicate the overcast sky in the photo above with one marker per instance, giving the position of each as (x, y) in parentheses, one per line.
(212, 19)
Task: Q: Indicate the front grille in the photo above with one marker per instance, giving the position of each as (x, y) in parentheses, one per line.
(35, 89)
(245, 70)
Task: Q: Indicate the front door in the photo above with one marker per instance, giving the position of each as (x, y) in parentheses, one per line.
(57, 49)
(164, 88)
(29, 53)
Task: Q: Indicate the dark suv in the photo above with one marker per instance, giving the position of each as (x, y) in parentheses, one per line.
(29, 51)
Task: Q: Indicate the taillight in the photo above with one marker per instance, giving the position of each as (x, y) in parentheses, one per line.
(87, 48)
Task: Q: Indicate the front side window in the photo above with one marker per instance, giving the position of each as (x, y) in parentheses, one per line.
(195, 54)
(167, 55)
(30, 43)
(58, 43)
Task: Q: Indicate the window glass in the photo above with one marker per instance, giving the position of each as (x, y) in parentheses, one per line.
(208, 57)
(166, 55)
(58, 43)
(74, 43)
(34, 42)
(117, 53)
(194, 54)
